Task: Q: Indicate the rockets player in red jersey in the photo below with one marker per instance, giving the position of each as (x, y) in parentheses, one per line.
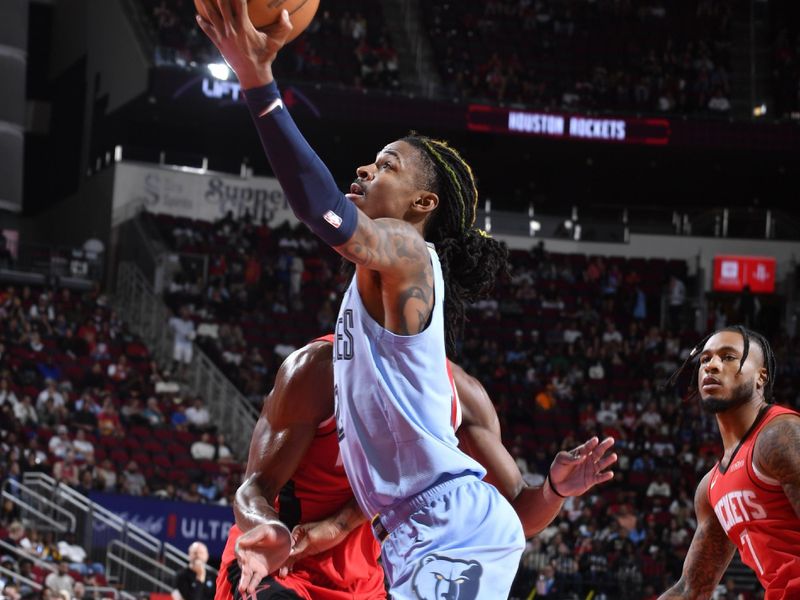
(294, 456)
(750, 500)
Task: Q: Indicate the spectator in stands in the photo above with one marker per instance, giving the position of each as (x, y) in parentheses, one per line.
(25, 412)
(203, 449)
(7, 427)
(60, 580)
(50, 547)
(192, 493)
(85, 411)
(71, 551)
(611, 335)
(50, 415)
(9, 512)
(651, 417)
(50, 392)
(132, 411)
(101, 351)
(26, 571)
(84, 449)
(198, 416)
(719, 103)
(168, 492)
(118, 372)
(194, 582)
(223, 454)
(748, 307)
(11, 591)
(43, 309)
(108, 423)
(79, 592)
(676, 296)
(86, 482)
(66, 470)
(107, 475)
(94, 378)
(33, 449)
(184, 331)
(178, 417)
(659, 487)
(152, 413)
(60, 443)
(133, 482)
(207, 489)
(7, 395)
(546, 581)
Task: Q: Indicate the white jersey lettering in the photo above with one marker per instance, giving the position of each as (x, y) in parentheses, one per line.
(737, 507)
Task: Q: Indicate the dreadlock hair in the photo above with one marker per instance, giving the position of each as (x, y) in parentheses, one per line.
(471, 260)
(748, 335)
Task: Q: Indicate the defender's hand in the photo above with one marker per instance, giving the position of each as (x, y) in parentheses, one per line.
(574, 473)
(313, 538)
(248, 51)
(260, 552)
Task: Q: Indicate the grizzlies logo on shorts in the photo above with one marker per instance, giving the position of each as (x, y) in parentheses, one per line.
(442, 577)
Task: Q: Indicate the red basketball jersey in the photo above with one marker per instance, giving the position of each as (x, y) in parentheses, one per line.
(318, 489)
(758, 518)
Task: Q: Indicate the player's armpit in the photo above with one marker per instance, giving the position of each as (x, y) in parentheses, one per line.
(777, 455)
(709, 553)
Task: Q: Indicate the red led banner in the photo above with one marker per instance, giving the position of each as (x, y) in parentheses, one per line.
(733, 273)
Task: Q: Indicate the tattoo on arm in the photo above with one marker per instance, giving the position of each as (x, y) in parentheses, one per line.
(708, 557)
(706, 561)
(385, 245)
(399, 253)
(414, 306)
(777, 454)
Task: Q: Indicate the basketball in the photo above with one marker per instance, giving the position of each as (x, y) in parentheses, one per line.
(264, 13)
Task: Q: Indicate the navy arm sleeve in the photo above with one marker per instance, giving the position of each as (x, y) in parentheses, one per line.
(306, 181)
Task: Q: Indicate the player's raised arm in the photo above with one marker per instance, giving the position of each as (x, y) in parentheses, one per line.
(386, 245)
(573, 472)
(282, 435)
(709, 553)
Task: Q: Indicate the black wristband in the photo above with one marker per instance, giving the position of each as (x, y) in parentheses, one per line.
(552, 487)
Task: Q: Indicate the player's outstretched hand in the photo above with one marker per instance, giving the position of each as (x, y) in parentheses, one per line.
(260, 552)
(248, 51)
(575, 472)
(313, 538)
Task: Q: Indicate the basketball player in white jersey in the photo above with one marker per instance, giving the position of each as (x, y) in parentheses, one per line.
(407, 224)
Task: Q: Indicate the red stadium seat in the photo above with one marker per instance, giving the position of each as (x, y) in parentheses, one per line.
(119, 456)
(162, 460)
(153, 446)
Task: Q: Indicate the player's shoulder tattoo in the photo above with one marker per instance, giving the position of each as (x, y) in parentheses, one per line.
(777, 449)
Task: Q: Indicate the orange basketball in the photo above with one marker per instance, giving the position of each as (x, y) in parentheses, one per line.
(264, 13)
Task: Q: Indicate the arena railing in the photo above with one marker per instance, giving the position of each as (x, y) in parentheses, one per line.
(13, 575)
(38, 508)
(147, 316)
(21, 554)
(97, 530)
(135, 570)
(108, 592)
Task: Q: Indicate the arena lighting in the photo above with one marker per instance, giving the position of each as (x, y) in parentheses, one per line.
(760, 111)
(219, 71)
